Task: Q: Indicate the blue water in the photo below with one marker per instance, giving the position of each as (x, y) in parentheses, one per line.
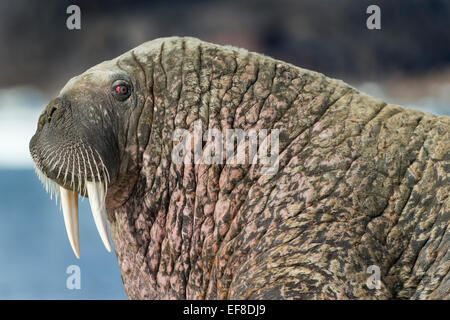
(35, 251)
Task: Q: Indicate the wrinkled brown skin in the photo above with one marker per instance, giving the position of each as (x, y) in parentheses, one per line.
(360, 183)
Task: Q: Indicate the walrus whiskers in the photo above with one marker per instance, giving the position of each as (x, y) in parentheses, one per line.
(79, 174)
(68, 162)
(47, 151)
(89, 162)
(96, 166)
(73, 173)
(67, 166)
(85, 172)
(62, 165)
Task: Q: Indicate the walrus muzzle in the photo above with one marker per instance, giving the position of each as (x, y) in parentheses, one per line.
(75, 152)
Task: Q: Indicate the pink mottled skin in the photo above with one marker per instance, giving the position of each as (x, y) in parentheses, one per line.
(311, 230)
(360, 183)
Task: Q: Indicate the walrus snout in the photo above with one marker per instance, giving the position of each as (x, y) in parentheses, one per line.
(86, 142)
(74, 152)
(68, 152)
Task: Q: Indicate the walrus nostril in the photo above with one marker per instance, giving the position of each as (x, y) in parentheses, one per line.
(50, 113)
(53, 106)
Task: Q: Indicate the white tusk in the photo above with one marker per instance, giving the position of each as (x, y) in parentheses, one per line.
(69, 202)
(96, 194)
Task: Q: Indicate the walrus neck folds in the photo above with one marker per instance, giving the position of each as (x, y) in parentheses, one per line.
(176, 216)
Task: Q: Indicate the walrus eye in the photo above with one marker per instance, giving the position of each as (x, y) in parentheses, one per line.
(121, 91)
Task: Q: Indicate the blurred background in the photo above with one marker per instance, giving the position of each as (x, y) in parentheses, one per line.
(406, 62)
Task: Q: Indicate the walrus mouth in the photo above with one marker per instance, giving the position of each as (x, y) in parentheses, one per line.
(94, 190)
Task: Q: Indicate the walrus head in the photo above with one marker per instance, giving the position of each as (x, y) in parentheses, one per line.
(76, 148)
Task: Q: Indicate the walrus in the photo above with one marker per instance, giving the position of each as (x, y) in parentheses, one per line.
(361, 186)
